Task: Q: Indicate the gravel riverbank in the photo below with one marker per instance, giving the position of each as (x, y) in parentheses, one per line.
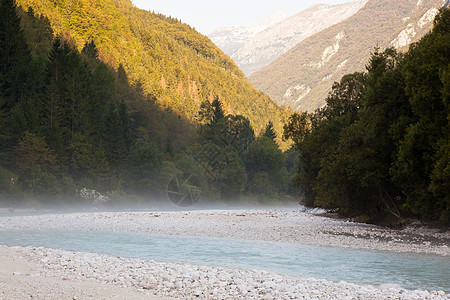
(182, 281)
(291, 226)
(157, 279)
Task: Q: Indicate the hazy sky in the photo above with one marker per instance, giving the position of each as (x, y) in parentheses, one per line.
(207, 15)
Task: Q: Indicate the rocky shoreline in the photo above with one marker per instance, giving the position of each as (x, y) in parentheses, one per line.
(162, 279)
(184, 281)
(279, 225)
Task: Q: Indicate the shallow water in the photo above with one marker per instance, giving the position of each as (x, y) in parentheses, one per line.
(411, 271)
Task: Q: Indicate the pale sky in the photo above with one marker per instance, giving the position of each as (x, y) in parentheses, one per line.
(207, 15)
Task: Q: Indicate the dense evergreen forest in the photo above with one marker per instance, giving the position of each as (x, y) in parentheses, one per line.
(380, 149)
(171, 61)
(70, 122)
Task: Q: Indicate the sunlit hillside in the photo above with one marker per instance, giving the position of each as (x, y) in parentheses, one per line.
(302, 77)
(178, 66)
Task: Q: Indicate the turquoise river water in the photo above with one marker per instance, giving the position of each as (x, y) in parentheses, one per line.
(410, 271)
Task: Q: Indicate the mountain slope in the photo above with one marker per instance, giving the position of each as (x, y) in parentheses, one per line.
(302, 77)
(172, 62)
(266, 45)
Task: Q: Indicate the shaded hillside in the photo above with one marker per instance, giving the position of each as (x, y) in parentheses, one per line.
(302, 77)
(175, 64)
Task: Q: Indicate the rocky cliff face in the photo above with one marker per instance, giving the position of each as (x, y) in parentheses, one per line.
(256, 47)
(302, 77)
(231, 39)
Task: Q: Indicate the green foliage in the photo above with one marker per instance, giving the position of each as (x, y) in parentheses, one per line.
(302, 78)
(15, 55)
(232, 157)
(75, 122)
(345, 97)
(37, 31)
(36, 166)
(297, 128)
(15, 61)
(205, 113)
(269, 132)
(31, 151)
(143, 165)
(423, 155)
(261, 184)
(8, 186)
(264, 156)
(239, 133)
(381, 145)
(173, 63)
(231, 176)
(217, 112)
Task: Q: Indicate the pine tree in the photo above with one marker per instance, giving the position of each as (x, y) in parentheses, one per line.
(218, 113)
(15, 57)
(205, 113)
(270, 131)
(122, 75)
(90, 54)
(15, 62)
(56, 95)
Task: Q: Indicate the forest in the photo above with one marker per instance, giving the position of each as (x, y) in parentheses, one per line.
(171, 61)
(379, 150)
(71, 123)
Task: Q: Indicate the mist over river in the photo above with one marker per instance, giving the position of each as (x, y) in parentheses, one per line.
(295, 252)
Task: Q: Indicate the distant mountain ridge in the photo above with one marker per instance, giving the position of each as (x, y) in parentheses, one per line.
(252, 50)
(302, 77)
(230, 39)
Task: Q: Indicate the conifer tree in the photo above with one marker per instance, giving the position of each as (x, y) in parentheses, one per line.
(205, 113)
(90, 54)
(15, 62)
(270, 131)
(15, 57)
(218, 113)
